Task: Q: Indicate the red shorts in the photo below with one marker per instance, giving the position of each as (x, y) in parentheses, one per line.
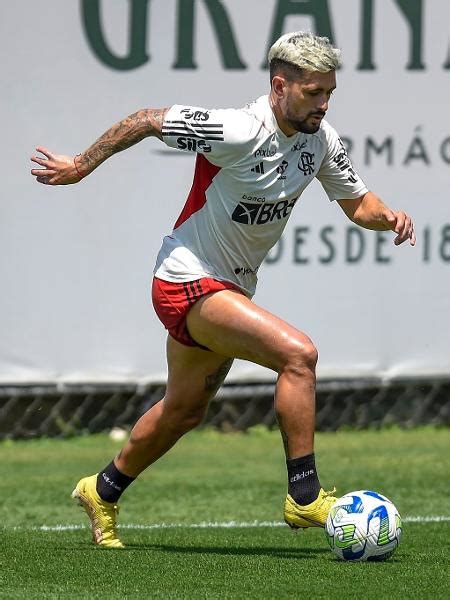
(172, 302)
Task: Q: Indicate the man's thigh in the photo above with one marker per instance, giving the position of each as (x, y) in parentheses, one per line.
(232, 325)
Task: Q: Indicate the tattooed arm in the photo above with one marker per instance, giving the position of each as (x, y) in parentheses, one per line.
(59, 169)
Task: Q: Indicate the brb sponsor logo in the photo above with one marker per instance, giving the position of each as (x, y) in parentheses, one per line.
(195, 115)
(192, 144)
(260, 214)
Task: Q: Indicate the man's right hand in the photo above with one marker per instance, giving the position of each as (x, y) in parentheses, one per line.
(58, 169)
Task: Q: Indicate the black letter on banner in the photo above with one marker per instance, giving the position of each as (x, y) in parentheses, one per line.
(299, 240)
(329, 243)
(371, 145)
(348, 144)
(317, 9)
(222, 28)
(417, 150)
(275, 253)
(445, 153)
(444, 247)
(412, 11)
(352, 256)
(426, 235)
(137, 35)
(380, 240)
(447, 63)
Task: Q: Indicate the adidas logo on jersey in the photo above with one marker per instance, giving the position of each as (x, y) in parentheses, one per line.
(259, 168)
(259, 214)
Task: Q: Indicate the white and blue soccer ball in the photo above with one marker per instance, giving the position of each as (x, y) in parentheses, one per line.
(363, 525)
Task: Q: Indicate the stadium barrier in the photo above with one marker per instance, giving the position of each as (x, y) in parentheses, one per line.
(67, 410)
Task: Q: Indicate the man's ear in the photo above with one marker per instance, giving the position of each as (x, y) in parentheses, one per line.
(278, 85)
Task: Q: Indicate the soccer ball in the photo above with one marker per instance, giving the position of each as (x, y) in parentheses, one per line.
(363, 525)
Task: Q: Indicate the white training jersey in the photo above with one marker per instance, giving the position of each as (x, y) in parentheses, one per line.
(248, 178)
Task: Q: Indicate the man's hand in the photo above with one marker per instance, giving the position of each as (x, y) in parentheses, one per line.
(401, 224)
(368, 211)
(63, 170)
(57, 168)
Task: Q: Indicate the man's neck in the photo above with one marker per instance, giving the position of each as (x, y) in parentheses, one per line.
(281, 121)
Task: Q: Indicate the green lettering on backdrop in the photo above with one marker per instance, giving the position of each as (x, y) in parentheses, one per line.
(137, 35)
(222, 29)
(413, 12)
(317, 9)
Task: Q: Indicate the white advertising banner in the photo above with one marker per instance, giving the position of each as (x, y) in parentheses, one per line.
(76, 261)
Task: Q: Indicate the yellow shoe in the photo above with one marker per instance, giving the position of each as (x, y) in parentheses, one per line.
(102, 514)
(311, 515)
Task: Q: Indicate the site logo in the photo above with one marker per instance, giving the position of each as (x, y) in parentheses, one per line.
(260, 214)
(306, 163)
(196, 115)
(194, 145)
(246, 270)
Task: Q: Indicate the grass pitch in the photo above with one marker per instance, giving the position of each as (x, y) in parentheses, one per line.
(205, 521)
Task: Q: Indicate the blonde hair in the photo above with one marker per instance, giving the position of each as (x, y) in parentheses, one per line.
(306, 51)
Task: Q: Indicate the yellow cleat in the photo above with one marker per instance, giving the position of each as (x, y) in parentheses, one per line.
(102, 514)
(311, 515)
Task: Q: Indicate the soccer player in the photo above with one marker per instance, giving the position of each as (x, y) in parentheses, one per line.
(252, 165)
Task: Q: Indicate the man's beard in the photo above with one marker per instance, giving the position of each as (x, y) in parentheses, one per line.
(303, 126)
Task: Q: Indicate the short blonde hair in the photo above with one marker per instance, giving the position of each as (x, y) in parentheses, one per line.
(306, 51)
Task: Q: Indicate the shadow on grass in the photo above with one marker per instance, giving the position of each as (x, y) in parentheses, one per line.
(270, 551)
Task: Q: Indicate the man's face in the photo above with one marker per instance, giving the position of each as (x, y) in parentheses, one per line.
(306, 100)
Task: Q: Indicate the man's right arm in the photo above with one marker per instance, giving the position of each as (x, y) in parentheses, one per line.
(64, 170)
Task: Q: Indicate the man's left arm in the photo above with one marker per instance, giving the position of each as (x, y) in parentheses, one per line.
(368, 211)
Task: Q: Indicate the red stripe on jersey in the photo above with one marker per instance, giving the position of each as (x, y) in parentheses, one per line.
(203, 176)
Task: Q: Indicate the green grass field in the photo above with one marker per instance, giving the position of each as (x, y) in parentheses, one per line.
(205, 521)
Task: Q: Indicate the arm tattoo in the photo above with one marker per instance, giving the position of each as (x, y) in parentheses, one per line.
(215, 380)
(122, 135)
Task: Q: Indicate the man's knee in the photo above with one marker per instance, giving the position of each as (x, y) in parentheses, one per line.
(301, 357)
(182, 420)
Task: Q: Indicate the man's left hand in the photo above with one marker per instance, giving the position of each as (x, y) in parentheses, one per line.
(402, 225)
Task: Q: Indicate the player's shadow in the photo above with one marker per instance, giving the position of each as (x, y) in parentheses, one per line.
(270, 551)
